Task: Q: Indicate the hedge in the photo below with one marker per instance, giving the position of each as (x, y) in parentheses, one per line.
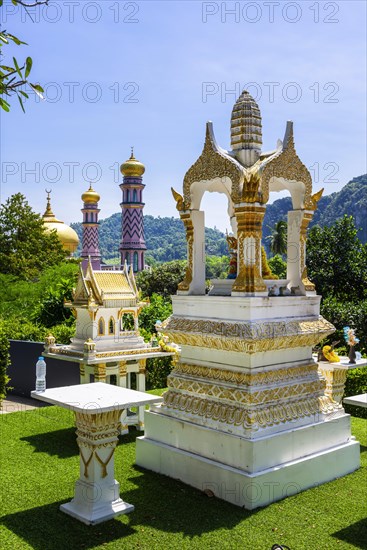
(4, 363)
(355, 385)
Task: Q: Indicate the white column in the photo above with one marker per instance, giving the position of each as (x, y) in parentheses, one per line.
(97, 493)
(197, 285)
(293, 249)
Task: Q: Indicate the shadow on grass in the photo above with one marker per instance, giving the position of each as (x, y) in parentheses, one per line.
(61, 443)
(48, 527)
(171, 506)
(355, 534)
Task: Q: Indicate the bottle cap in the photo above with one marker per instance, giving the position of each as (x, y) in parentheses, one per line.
(41, 359)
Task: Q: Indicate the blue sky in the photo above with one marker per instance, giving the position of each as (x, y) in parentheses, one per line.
(150, 74)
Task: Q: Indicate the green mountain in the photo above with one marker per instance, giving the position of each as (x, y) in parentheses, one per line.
(165, 237)
(350, 200)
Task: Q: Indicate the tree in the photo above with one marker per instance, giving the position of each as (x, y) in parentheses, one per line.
(278, 266)
(163, 279)
(25, 247)
(13, 77)
(216, 267)
(337, 261)
(278, 238)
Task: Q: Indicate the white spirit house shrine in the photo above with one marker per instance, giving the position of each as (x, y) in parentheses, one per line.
(245, 415)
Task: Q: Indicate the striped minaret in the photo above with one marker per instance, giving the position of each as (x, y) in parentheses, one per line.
(132, 247)
(90, 229)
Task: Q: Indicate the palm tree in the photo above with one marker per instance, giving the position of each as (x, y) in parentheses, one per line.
(278, 238)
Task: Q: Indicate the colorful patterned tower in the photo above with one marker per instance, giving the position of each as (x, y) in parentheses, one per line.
(132, 247)
(90, 229)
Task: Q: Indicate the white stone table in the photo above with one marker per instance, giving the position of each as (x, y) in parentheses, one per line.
(357, 400)
(97, 409)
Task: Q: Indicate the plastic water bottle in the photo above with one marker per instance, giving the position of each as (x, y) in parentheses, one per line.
(41, 374)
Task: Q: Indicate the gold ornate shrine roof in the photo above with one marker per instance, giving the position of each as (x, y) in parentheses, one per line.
(106, 288)
(249, 178)
(67, 236)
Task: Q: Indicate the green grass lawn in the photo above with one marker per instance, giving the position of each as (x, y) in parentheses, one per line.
(39, 464)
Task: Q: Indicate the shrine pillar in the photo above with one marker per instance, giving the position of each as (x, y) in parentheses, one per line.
(194, 281)
(249, 281)
(298, 221)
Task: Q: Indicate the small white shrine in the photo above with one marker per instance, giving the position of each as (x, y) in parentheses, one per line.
(107, 344)
(247, 415)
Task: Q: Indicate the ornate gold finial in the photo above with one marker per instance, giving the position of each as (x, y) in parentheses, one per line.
(316, 197)
(48, 206)
(179, 200)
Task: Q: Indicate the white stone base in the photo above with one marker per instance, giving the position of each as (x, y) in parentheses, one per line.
(248, 473)
(91, 508)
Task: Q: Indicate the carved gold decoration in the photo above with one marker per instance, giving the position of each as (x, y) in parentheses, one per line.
(251, 188)
(237, 416)
(142, 366)
(128, 352)
(243, 396)
(240, 378)
(213, 163)
(249, 337)
(316, 197)
(287, 165)
(335, 383)
(82, 369)
(50, 341)
(249, 224)
(122, 368)
(180, 206)
(97, 431)
(307, 217)
(89, 346)
(100, 372)
(185, 284)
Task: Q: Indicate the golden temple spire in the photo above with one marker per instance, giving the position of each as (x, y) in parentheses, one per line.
(48, 212)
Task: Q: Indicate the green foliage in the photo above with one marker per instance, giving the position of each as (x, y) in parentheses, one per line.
(162, 280)
(26, 248)
(157, 371)
(157, 310)
(350, 200)
(356, 384)
(165, 239)
(278, 238)
(18, 328)
(278, 266)
(342, 314)
(216, 267)
(51, 309)
(63, 333)
(12, 75)
(4, 363)
(337, 261)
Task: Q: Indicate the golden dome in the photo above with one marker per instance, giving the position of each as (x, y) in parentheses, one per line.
(132, 167)
(67, 236)
(90, 196)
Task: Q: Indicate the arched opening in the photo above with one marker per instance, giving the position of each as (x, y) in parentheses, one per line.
(127, 322)
(111, 326)
(101, 327)
(135, 265)
(135, 196)
(217, 223)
